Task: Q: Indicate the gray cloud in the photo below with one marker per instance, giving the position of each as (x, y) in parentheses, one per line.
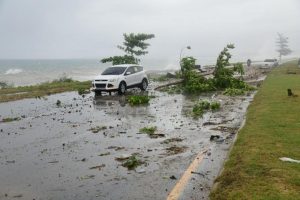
(92, 29)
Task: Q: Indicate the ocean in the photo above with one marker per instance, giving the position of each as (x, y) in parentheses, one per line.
(31, 72)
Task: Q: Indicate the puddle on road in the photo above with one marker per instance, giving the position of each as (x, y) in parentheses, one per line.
(52, 153)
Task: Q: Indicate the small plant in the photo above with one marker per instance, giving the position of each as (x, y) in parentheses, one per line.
(148, 130)
(138, 100)
(203, 106)
(215, 106)
(198, 111)
(132, 162)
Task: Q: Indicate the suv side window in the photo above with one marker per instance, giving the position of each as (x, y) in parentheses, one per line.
(139, 69)
(131, 70)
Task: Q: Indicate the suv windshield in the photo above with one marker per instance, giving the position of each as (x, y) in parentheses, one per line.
(114, 71)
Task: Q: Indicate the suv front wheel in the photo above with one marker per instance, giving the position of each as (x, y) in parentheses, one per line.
(122, 88)
(144, 84)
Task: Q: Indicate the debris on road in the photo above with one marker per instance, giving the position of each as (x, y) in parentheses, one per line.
(175, 150)
(97, 129)
(99, 167)
(167, 141)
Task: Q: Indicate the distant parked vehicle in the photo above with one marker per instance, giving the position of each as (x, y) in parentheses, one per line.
(271, 62)
(120, 78)
(267, 63)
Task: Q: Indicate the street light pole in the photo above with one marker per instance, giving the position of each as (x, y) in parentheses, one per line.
(181, 51)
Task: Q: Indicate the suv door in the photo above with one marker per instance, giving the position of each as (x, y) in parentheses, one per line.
(139, 74)
(130, 78)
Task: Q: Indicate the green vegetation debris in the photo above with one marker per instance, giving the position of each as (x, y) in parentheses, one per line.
(195, 83)
(202, 106)
(148, 130)
(9, 119)
(97, 129)
(215, 105)
(138, 100)
(234, 92)
(132, 162)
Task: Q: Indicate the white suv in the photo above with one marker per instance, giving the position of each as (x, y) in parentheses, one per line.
(119, 78)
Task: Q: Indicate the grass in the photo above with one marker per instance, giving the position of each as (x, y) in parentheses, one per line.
(272, 130)
(43, 89)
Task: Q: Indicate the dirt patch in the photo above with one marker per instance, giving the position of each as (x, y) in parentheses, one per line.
(176, 150)
(170, 140)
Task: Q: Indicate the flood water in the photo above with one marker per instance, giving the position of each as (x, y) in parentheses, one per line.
(51, 151)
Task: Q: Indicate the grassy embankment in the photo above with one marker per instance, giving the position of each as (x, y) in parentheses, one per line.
(43, 89)
(272, 130)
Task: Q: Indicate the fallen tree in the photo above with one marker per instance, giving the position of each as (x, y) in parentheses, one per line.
(194, 82)
(168, 84)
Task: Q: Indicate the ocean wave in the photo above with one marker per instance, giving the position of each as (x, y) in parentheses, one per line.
(13, 71)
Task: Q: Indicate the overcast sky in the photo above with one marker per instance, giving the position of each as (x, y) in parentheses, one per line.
(93, 28)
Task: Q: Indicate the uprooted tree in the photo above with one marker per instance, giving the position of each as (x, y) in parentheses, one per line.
(134, 45)
(282, 44)
(223, 79)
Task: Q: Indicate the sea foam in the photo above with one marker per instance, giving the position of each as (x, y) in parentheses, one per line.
(13, 71)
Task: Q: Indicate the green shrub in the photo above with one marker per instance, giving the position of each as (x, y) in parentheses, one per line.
(138, 100)
(148, 130)
(196, 83)
(202, 106)
(215, 106)
(234, 92)
(132, 162)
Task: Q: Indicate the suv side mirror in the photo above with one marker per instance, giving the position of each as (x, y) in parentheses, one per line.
(127, 73)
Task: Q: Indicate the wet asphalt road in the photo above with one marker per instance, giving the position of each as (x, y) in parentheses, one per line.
(49, 152)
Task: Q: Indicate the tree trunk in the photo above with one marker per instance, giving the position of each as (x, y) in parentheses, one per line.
(168, 84)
